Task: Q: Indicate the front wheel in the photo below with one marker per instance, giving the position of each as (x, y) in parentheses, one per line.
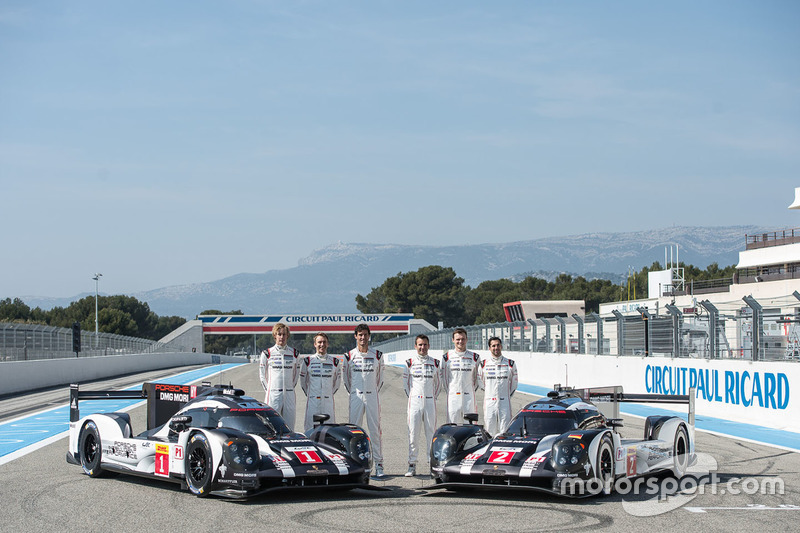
(198, 465)
(605, 466)
(90, 450)
(680, 453)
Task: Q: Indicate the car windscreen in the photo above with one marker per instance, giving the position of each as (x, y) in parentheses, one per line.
(541, 424)
(264, 422)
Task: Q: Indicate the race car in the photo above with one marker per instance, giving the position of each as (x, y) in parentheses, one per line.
(216, 440)
(564, 444)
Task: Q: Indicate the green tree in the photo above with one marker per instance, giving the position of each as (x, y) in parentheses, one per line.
(484, 303)
(14, 310)
(432, 293)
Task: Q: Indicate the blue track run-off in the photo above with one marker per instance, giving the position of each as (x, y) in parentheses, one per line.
(771, 437)
(18, 434)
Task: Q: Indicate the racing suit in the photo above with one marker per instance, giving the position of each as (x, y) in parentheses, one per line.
(278, 370)
(460, 381)
(498, 377)
(363, 379)
(320, 377)
(421, 382)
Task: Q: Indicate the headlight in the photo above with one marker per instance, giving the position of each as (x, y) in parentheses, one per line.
(569, 455)
(240, 453)
(443, 449)
(360, 451)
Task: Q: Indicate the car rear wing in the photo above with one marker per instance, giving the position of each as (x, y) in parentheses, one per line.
(163, 399)
(614, 396)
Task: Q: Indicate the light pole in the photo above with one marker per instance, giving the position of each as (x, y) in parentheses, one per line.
(96, 279)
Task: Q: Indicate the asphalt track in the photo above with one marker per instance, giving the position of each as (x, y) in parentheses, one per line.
(39, 491)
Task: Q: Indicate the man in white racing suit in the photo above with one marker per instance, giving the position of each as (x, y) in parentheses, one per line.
(363, 379)
(279, 370)
(497, 375)
(460, 378)
(421, 382)
(320, 376)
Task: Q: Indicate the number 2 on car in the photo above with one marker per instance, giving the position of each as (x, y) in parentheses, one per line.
(501, 455)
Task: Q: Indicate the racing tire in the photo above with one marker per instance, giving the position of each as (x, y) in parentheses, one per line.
(680, 452)
(199, 473)
(605, 466)
(90, 450)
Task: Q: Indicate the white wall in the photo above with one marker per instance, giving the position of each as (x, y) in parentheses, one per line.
(19, 376)
(741, 391)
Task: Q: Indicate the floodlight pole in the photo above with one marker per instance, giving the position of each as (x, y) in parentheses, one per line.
(96, 279)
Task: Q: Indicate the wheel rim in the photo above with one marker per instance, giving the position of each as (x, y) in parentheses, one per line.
(606, 466)
(197, 465)
(90, 448)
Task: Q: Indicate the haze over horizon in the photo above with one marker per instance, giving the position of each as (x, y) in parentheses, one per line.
(166, 144)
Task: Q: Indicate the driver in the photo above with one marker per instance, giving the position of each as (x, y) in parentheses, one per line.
(421, 384)
(320, 375)
(279, 370)
(460, 378)
(497, 375)
(363, 378)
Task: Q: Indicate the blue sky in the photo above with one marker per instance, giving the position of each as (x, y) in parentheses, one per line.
(164, 143)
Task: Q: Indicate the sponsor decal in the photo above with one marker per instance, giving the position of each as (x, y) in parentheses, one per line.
(305, 454)
(122, 449)
(502, 455)
(532, 463)
(630, 463)
(162, 460)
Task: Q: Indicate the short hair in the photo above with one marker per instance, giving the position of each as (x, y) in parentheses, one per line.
(279, 326)
(495, 339)
(424, 337)
(459, 330)
(321, 334)
(362, 327)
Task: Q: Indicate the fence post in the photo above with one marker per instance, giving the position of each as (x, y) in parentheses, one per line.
(534, 338)
(713, 318)
(758, 324)
(599, 322)
(562, 328)
(677, 317)
(581, 345)
(620, 332)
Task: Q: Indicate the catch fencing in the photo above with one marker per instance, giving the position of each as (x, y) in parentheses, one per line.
(29, 342)
(750, 334)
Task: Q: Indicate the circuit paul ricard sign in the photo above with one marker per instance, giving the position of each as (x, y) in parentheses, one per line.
(253, 324)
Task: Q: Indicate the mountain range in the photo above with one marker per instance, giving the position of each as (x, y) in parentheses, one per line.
(328, 280)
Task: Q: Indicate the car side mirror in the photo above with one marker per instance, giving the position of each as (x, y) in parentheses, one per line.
(320, 419)
(179, 423)
(471, 417)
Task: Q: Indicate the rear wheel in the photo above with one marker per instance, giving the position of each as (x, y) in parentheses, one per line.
(198, 465)
(605, 465)
(680, 453)
(90, 450)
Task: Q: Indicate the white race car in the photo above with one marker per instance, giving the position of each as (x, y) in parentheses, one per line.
(215, 440)
(564, 444)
